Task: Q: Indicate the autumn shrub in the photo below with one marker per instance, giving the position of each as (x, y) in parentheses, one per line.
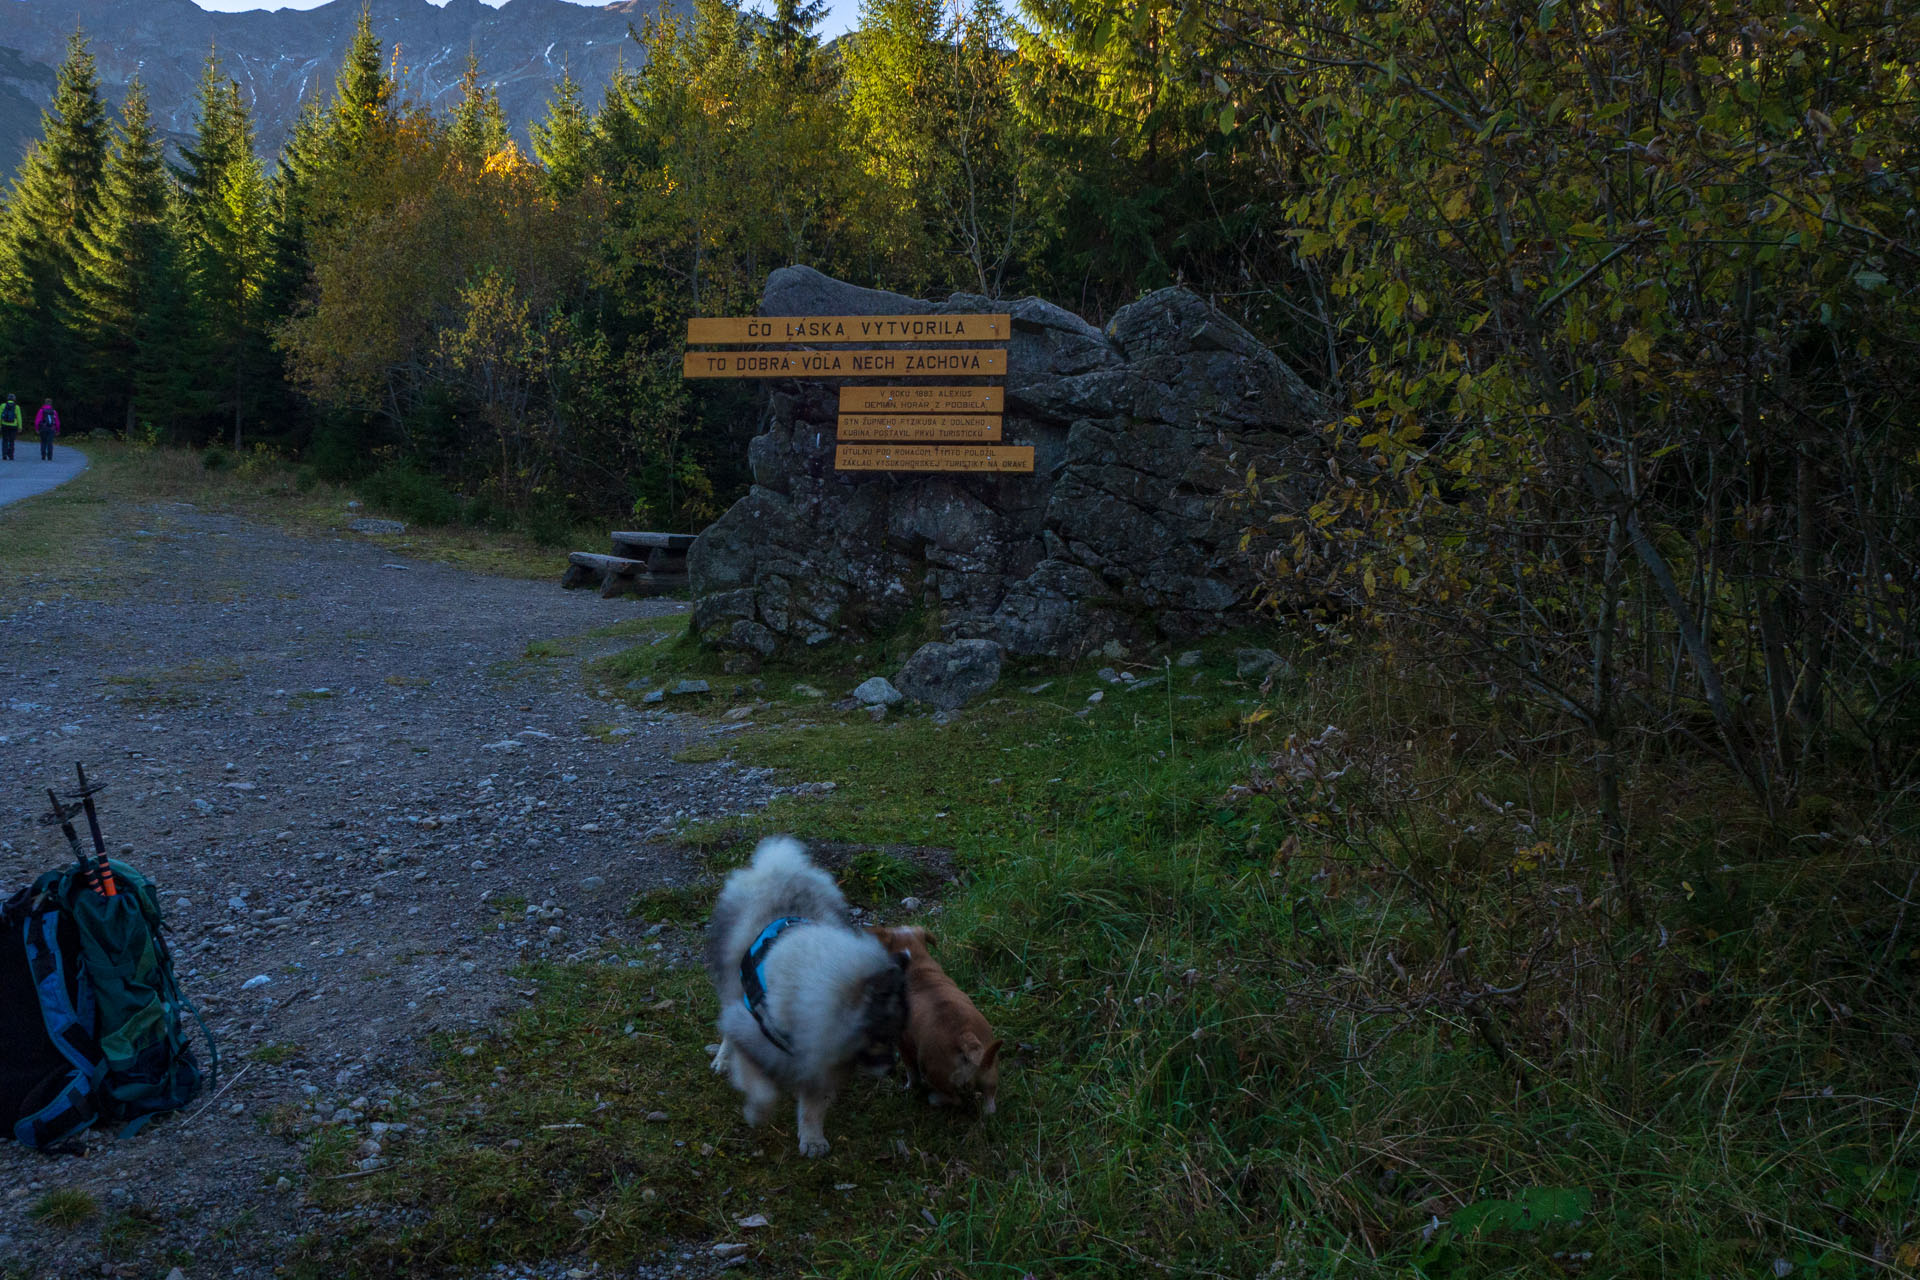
(1624, 300)
(1620, 521)
(549, 524)
(411, 495)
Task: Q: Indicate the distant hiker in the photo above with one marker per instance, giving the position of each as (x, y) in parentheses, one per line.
(47, 423)
(9, 428)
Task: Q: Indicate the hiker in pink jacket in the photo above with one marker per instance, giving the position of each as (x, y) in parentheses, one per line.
(47, 423)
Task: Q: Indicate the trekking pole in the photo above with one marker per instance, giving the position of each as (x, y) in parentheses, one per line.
(102, 872)
(64, 816)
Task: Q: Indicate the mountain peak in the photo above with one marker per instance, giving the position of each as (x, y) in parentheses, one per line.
(281, 56)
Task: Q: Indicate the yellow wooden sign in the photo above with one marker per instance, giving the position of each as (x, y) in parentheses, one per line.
(919, 426)
(844, 364)
(923, 400)
(1016, 458)
(722, 329)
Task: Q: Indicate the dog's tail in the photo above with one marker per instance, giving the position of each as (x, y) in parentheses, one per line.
(796, 886)
(781, 855)
(780, 881)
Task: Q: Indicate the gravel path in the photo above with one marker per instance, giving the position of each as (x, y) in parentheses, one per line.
(334, 763)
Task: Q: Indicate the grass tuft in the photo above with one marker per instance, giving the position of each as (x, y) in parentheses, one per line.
(65, 1208)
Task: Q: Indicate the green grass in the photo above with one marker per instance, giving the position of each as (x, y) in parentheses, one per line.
(564, 1160)
(1240, 1041)
(44, 539)
(674, 903)
(65, 1208)
(666, 652)
(194, 684)
(276, 1053)
(123, 1234)
(1276, 1001)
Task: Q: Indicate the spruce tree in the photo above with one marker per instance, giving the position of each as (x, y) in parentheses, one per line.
(789, 42)
(329, 154)
(361, 121)
(477, 130)
(293, 199)
(220, 140)
(563, 141)
(126, 298)
(224, 217)
(54, 202)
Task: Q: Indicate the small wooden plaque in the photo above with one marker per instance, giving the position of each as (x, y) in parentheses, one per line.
(923, 400)
(1017, 458)
(931, 427)
(948, 363)
(723, 329)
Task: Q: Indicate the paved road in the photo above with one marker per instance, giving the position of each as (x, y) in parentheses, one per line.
(27, 475)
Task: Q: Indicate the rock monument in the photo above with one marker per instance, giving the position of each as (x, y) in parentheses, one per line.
(1141, 434)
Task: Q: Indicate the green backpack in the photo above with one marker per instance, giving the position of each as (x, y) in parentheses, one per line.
(103, 977)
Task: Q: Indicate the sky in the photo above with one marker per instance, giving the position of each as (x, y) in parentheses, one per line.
(841, 14)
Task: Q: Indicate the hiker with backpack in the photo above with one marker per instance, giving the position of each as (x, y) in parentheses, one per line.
(47, 423)
(9, 428)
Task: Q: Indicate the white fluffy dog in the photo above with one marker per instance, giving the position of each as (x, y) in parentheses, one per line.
(803, 994)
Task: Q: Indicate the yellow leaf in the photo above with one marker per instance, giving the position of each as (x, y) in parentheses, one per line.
(1639, 346)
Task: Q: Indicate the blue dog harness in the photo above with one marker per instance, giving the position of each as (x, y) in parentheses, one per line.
(753, 982)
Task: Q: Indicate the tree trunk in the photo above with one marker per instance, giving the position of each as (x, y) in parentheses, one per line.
(1606, 761)
(1807, 703)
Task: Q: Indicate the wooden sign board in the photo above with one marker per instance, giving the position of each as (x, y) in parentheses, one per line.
(721, 329)
(844, 364)
(923, 400)
(1016, 458)
(919, 426)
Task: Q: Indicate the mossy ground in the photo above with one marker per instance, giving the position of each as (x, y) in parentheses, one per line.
(1195, 1084)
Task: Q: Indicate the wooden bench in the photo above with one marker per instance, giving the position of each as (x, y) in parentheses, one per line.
(642, 564)
(662, 552)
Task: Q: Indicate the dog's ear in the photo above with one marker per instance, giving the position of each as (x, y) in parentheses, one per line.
(992, 1053)
(926, 939)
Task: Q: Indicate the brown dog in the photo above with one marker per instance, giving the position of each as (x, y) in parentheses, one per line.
(947, 1044)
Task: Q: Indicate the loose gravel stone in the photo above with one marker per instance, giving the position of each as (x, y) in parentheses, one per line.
(296, 742)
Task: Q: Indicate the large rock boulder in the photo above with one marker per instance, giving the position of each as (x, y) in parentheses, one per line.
(1141, 432)
(949, 676)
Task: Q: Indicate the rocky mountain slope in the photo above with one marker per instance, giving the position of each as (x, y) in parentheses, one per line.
(278, 56)
(25, 86)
